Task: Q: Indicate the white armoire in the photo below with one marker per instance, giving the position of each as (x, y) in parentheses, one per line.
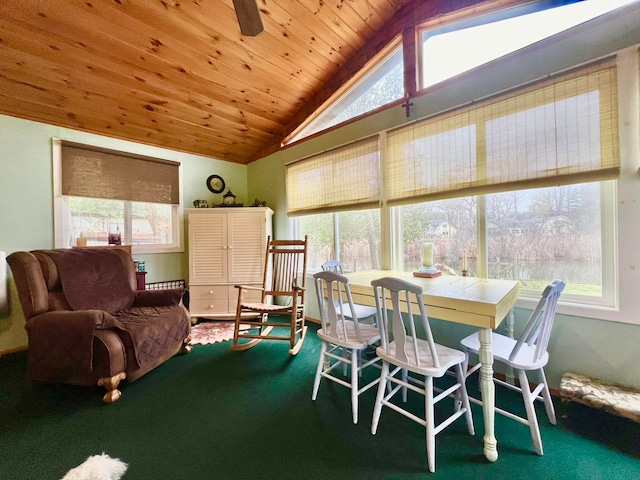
(226, 248)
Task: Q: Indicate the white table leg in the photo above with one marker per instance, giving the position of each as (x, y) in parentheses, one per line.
(488, 394)
(509, 331)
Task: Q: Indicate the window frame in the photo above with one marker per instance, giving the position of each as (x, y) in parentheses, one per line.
(610, 302)
(621, 257)
(356, 87)
(430, 29)
(608, 218)
(620, 275)
(605, 307)
(61, 212)
(295, 231)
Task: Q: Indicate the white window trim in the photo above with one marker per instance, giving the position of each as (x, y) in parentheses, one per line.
(61, 211)
(627, 259)
(609, 299)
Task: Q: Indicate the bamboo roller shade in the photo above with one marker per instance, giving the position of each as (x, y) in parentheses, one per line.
(338, 179)
(101, 173)
(559, 131)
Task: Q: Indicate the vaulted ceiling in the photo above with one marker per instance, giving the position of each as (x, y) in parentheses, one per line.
(179, 74)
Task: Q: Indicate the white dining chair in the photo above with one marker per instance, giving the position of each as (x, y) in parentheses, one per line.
(412, 363)
(363, 312)
(343, 337)
(528, 353)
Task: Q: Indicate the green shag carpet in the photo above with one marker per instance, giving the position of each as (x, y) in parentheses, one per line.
(218, 414)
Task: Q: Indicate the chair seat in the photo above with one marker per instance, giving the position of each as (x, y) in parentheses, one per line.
(368, 333)
(266, 307)
(502, 346)
(361, 311)
(447, 356)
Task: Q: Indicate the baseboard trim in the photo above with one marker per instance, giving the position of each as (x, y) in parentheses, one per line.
(313, 320)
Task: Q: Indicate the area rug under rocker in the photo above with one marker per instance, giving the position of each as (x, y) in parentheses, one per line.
(98, 467)
(214, 331)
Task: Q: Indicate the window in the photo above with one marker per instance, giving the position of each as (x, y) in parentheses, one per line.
(380, 86)
(105, 197)
(450, 50)
(454, 49)
(451, 225)
(508, 186)
(533, 236)
(94, 219)
(330, 196)
(566, 232)
(534, 156)
(352, 237)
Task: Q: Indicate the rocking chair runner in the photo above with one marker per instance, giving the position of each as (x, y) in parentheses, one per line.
(284, 278)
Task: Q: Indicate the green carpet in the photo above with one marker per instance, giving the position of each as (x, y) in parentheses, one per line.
(218, 414)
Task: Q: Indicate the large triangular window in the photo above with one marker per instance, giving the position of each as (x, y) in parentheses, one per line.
(461, 47)
(383, 84)
(455, 48)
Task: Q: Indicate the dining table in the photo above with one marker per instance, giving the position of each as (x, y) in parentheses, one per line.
(480, 302)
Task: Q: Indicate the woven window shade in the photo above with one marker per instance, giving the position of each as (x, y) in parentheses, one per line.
(560, 131)
(340, 179)
(100, 173)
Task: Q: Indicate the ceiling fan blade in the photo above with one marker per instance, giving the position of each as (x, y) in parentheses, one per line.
(248, 17)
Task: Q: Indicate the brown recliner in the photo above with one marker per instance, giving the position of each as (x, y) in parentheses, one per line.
(86, 322)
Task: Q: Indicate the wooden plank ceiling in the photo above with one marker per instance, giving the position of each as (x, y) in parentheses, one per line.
(180, 75)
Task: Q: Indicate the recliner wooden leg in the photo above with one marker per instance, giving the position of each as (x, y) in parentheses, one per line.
(111, 384)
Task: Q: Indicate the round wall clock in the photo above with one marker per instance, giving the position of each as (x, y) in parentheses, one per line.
(215, 183)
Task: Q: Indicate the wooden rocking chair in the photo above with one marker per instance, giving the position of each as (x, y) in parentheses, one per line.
(284, 282)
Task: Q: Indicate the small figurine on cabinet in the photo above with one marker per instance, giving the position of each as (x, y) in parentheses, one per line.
(229, 198)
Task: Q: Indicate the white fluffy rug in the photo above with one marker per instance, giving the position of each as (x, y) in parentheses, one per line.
(97, 467)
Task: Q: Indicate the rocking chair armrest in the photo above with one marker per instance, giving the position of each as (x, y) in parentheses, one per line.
(249, 287)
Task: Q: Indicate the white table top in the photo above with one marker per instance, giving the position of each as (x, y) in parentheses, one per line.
(481, 302)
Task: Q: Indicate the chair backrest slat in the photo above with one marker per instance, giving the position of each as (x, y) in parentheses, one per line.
(285, 266)
(537, 330)
(394, 327)
(332, 289)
